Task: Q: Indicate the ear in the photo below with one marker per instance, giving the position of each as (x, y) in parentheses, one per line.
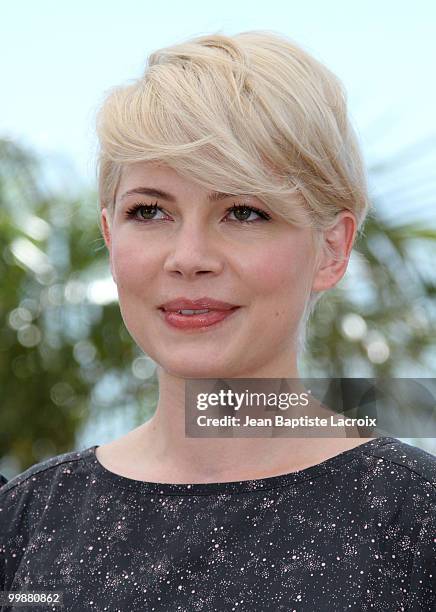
(340, 239)
(106, 228)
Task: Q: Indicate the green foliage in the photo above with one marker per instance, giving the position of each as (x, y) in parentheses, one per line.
(56, 346)
(391, 297)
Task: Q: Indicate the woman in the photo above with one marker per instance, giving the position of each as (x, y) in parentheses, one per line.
(230, 181)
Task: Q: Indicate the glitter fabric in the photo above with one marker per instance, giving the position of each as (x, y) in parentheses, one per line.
(354, 533)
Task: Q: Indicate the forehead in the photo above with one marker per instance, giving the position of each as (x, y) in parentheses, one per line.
(160, 180)
(158, 173)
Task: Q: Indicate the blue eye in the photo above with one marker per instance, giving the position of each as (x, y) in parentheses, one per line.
(147, 210)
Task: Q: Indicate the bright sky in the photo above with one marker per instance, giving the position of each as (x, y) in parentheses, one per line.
(58, 58)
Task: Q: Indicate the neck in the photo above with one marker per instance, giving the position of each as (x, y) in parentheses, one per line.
(169, 455)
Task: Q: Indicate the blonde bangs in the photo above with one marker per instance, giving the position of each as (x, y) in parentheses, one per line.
(249, 114)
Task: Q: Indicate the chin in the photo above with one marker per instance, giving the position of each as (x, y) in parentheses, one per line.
(201, 370)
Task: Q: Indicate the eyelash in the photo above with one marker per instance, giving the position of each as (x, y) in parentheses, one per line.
(131, 212)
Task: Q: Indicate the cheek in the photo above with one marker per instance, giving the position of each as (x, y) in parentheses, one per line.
(280, 286)
(132, 265)
(280, 273)
(135, 271)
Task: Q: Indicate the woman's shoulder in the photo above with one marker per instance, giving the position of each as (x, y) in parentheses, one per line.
(40, 476)
(400, 484)
(395, 456)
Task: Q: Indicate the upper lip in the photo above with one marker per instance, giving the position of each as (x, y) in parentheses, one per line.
(182, 303)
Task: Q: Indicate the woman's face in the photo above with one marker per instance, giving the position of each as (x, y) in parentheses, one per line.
(191, 247)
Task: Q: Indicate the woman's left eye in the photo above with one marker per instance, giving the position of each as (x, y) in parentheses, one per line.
(247, 211)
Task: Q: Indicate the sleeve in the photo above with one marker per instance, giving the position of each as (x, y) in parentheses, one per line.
(2, 568)
(2, 544)
(422, 584)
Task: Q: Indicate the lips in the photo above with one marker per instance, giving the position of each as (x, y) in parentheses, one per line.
(202, 303)
(197, 322)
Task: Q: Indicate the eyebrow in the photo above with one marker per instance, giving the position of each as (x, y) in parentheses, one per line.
(214, 196)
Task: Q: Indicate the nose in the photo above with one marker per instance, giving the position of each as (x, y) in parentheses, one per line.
(193, 252)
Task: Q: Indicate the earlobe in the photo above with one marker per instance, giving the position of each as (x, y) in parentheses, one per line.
(334, 260)
(105, 224)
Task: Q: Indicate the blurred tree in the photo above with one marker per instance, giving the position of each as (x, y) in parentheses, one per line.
(59, 342)
(64, 350)
(379, 321)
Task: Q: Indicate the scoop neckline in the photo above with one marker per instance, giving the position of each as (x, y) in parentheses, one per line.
(237, 486)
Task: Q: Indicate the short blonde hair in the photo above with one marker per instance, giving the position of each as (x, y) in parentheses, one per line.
(251, 113)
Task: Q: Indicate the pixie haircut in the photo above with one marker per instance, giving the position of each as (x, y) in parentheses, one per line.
(251, 114)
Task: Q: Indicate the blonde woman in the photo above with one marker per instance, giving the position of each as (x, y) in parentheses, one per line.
(230, 182)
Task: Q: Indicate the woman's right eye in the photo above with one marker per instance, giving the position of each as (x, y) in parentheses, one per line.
(146, 215)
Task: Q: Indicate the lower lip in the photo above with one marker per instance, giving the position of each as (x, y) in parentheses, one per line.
(198, 321)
